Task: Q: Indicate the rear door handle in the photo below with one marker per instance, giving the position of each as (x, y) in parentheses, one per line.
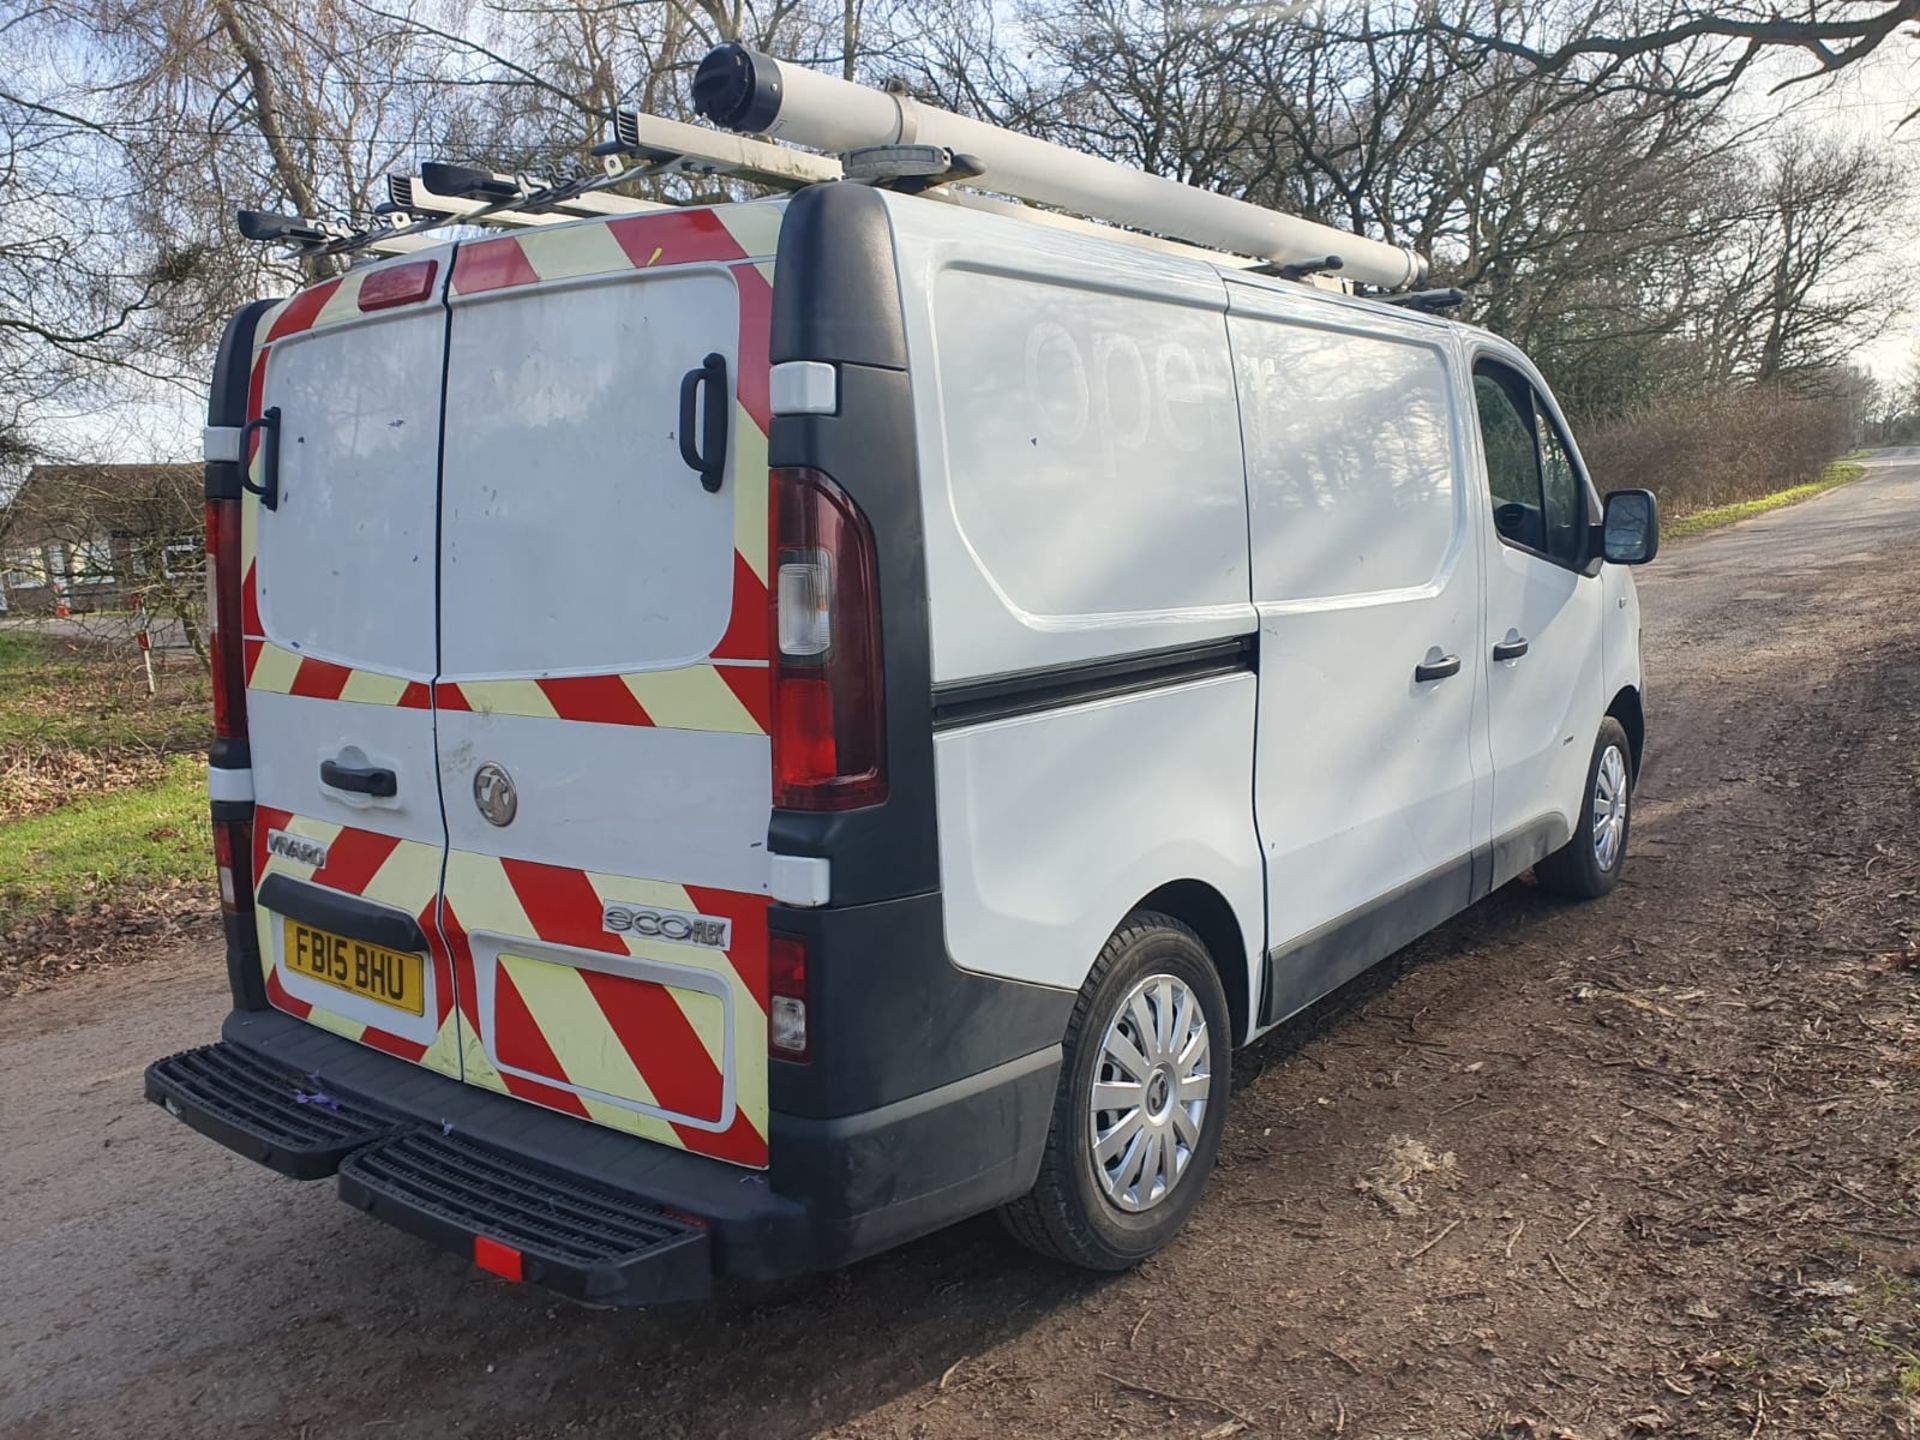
(1436, 669)
(708, 457)
(1510, 649)
(358, 779)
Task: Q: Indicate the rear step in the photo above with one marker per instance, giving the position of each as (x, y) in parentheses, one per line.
(529, 1223)
(287, 1121)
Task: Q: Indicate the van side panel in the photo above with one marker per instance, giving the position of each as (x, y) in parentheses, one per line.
(1079, 445)
(1086, 538)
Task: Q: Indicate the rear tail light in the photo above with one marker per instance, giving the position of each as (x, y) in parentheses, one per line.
(233, 854)
(829, 710)
(223, 618)
(232, 839)
(787, 1033)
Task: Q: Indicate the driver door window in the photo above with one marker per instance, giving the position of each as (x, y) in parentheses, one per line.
(1513, 458)
(1539, 498)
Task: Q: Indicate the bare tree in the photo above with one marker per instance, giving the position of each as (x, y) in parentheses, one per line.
(1802, 281)
(1600, 39)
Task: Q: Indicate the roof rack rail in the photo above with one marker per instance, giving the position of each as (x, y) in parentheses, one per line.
(302, 236)
(461, 192)
(1430, 301)
(679, 148)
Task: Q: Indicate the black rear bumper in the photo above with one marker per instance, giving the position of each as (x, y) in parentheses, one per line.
(643, 1223)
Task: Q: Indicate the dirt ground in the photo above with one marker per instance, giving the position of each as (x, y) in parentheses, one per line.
(1648, 1167)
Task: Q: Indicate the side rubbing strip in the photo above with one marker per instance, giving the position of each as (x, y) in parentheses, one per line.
(974, 702)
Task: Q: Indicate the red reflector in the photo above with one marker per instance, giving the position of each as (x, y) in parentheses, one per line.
(787, 965)
(398, 285)
(233, 860)
(496, 1259)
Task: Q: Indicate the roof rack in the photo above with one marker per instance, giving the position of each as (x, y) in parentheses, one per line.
(880, 138)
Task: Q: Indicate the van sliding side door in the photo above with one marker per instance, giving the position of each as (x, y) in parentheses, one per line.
(1369, 788)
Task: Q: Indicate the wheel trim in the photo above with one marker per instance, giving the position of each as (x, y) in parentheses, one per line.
(1152, 1082)
(1611, 789)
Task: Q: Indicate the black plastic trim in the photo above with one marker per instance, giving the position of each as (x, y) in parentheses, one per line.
(347, 915)
(231, 811)
(1028, 692)
(1321, 961)
(837, 294)
(1519, 850)
(892, 1174)
(245, 982)
(270, 1113)
(737, 88)
(230, 752)
(227, 397)
(571, 1235)
(1318, 963)
(838, 1187)
(892, 1016)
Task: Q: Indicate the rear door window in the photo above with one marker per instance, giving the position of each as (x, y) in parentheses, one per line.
(345, 567)
(575, 537)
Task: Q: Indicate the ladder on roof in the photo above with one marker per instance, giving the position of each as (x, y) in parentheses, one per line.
(856, 134)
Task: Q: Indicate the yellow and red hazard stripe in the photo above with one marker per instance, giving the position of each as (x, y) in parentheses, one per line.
(403, 874)
(634, 1054)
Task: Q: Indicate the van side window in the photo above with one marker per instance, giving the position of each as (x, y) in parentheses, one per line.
(1566, 517)
(1513, 460)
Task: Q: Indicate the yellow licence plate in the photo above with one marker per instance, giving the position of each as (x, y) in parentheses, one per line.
(391, 977)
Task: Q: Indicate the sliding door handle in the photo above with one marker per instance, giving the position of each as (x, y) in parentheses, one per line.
(1436, 669)
(1510, 649)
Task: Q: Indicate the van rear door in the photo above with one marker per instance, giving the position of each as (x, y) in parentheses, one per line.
(604, 682)
(337, 542)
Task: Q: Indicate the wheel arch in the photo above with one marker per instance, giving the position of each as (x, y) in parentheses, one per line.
(1209, 914)
(1625, 707)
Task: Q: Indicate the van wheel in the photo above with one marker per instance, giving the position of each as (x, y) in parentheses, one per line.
(1141, 1105)
(1589, 865)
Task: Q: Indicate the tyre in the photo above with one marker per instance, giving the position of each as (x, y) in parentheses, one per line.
(1589, 864)
(1141, 1106)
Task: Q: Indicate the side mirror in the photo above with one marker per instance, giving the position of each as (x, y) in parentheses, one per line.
(1630, 527)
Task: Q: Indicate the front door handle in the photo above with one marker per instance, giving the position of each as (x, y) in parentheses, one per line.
(1436, 669)
(359, 779)
(1510, 649)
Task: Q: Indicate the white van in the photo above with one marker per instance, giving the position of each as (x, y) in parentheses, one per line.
(749, 734)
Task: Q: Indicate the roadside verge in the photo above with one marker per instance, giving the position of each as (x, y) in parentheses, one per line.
(1698, 522)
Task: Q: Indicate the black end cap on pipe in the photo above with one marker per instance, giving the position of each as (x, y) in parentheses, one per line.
(737, 89)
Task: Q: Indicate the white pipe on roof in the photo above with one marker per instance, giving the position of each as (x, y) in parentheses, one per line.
(743, 90)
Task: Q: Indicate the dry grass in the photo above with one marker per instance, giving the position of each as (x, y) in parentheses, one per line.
(1713, 448)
